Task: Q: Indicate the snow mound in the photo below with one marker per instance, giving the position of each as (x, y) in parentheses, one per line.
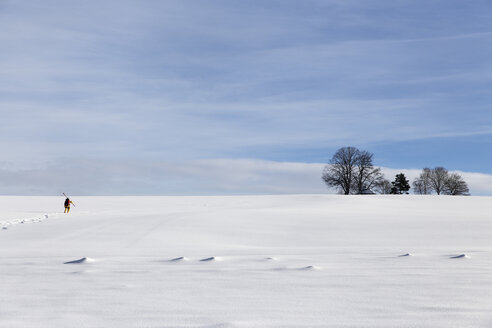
(305, 268)
(178, 259)
(404, 255)
(80, 261)
(209, 259)
(461, 256)
(221, 325)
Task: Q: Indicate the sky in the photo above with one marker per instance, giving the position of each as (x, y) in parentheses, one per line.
(238, 97)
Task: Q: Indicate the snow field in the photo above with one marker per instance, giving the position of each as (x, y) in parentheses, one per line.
(246, 261)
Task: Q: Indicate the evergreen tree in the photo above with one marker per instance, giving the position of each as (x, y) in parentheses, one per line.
(400, 185)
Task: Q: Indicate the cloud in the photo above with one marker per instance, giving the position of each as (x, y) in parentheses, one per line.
(195, 177)
(199, 177)
(175, 81)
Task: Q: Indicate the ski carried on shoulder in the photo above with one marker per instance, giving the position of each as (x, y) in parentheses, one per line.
(68, 198)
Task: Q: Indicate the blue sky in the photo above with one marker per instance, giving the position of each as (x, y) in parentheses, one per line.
(150, 83)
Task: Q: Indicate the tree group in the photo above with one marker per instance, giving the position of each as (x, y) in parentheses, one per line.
(438, 180)
(351, 171)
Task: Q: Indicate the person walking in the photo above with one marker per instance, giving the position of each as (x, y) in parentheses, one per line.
(67, 205)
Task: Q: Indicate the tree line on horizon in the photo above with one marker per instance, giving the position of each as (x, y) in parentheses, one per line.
(351, 171)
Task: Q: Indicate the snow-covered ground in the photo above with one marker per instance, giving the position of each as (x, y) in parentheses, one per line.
(246, 261)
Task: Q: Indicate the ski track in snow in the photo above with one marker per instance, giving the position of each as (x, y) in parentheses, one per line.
(6, 223)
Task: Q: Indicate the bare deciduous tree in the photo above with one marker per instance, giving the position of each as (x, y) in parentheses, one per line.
(421, 185)
(339, 173)
(437, 178)
(383, 187)
(455, 185)
(351, 171)
(366, 175)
